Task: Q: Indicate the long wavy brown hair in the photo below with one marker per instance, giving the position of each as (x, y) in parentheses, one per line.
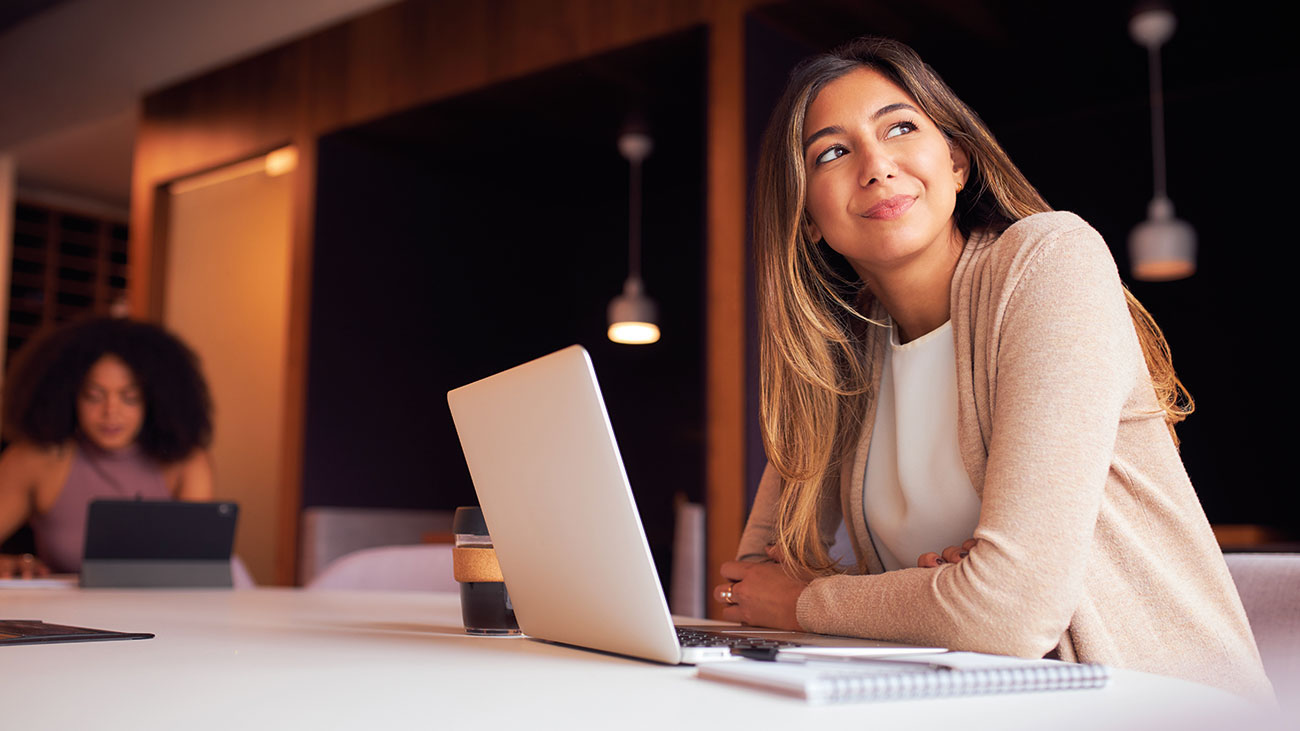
(814, 383)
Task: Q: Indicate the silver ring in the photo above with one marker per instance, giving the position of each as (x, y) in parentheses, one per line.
(726, 594)
(27, 559)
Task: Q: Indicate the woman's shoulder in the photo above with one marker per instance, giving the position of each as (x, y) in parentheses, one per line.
(27, 452)
(28, 463)
(190, 478)
(1030, 235)
(1053, 237)
(198, 458)
(1048, 225)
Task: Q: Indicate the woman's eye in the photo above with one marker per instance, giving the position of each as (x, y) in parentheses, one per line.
(901, 128)
(833, 153)
(131, 398)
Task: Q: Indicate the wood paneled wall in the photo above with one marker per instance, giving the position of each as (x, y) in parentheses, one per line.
(415, 53)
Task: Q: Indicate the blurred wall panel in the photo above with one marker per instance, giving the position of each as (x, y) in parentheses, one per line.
(227, 295)
(395, 58)
(6, 244)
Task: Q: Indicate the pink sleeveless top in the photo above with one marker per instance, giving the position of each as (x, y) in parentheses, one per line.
(60, 533)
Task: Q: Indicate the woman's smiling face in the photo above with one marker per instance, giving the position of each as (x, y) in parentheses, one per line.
(882, 177)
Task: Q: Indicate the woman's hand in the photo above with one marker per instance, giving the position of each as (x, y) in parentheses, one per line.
(951, 554)
(25, 566)
(763, 594)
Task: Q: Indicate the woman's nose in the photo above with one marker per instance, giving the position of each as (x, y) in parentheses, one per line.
(875, 167)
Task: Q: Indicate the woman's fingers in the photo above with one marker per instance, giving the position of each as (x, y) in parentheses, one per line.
(736, 570)
(951, 554)
(761, 593)
(25, 566)
(724, 593)
(733, 572)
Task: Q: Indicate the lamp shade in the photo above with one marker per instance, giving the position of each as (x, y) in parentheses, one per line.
(1163, 247)
(633, 317)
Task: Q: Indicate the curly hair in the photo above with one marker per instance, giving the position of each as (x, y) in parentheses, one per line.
(41, 390)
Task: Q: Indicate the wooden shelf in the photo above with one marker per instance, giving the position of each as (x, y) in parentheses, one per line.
(66, 265)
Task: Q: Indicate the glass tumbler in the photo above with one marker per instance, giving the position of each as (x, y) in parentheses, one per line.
(484, 602)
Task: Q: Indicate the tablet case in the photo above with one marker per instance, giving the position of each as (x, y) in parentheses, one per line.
(158, 543)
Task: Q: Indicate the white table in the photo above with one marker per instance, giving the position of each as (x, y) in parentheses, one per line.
(282, 658)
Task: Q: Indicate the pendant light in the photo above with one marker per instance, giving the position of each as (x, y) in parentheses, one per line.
(1162, 247)
(633, 317)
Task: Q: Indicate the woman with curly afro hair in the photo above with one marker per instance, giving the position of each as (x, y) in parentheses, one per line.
(101, 408)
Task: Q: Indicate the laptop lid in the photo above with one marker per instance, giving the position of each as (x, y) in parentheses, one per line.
(556, 499)
(158, 543)
(567, 533)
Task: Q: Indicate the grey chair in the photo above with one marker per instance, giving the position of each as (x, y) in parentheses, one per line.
(391, 568)
(329, 533)
(1269, 585)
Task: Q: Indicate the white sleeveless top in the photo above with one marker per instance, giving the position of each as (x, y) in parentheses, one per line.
(917, 496)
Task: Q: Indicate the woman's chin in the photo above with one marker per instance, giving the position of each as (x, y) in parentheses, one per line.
(111, 442)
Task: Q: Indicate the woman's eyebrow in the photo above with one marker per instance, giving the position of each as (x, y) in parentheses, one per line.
(836, 129)
(832, 130)
(893, 108)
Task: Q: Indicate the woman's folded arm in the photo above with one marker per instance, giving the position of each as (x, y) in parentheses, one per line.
(1065, 359)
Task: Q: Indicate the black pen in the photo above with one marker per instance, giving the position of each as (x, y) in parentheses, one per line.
(766, 654)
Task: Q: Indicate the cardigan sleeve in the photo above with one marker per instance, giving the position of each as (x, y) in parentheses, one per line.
(760, 529)
(1064, 352)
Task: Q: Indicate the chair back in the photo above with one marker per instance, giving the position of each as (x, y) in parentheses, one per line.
(1269, 585)
(240, 577)
(329, 533)
(391, 568)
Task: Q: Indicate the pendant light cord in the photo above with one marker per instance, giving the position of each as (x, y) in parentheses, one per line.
(1157, 120)
(634, 220)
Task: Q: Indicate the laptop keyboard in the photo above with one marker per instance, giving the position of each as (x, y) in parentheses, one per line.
(700, 638)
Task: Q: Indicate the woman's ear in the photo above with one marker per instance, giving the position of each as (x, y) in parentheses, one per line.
(810, 228)
(960, 165)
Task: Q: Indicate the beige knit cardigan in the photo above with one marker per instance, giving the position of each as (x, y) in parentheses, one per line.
(1091, 540)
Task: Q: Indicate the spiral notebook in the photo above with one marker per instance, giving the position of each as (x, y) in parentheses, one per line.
(917, 676)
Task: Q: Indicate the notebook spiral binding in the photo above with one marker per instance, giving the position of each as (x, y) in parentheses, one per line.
(846, 685)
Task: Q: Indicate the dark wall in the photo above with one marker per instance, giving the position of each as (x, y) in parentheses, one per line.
(1065, 91)
(770, 54)
(378, 341)
(457, 240)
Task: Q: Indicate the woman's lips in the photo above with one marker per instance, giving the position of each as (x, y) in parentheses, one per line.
(890, 208)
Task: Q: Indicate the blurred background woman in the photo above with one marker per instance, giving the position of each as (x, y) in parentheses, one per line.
(959, 373)
(103, 408)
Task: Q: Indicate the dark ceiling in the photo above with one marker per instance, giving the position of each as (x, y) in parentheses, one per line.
(16, 12)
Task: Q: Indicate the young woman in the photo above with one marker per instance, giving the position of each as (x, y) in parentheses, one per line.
(104, 408)
(984, 386)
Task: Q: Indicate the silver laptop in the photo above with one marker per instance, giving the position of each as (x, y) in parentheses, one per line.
(557, 503)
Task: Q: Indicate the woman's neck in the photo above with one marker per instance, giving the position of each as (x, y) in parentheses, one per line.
(916, 294)
(90, 447)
